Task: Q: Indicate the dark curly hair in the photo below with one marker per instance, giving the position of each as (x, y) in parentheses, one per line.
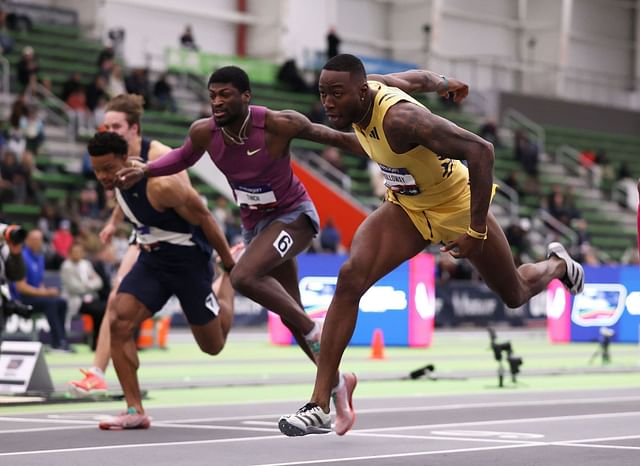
(105, 142)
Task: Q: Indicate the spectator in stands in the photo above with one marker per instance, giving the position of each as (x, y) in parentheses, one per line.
(14, 177)
(28, 69)
(71, 85)
(329, 237)
(333, 43)
(47, 220)
(62, 238)
(514, 183)
(187, 40)
(489, 132)
(588, 168)
(100, 111)
(31, 290)
(526, 152)
(448, 268)
(163, 94)
(289, 77)
(316, 113)
(19, 22)
(333, 156)
(80, 286)
(138, 83)
(6, 41)
(96, 90)
(517, 235)
(105, 61)
(89, 205)
(115, 82)
(32, 126)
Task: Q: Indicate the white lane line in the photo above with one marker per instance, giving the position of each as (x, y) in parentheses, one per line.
(260, 423)
(396, 455)
(456, 406)
(586, 445)
(216, 427)
(142, 445)
(44, 429)
(603, 439)
(45, 420)
(444, 437)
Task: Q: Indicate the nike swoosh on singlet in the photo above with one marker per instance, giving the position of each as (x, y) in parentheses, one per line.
(252, 152)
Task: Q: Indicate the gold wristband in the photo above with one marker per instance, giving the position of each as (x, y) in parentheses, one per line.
(477, 235)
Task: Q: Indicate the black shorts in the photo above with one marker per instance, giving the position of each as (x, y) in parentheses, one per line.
(183, 271)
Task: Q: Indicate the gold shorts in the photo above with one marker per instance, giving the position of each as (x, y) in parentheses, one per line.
(443, 223)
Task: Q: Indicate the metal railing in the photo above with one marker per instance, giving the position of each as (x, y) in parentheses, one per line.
(569, 157)
(560, 227)
(513, 119)
(59, 112)
(512, 199)
(328, 171)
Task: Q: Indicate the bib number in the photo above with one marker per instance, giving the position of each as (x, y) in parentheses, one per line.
(400, 181)
(255, 197)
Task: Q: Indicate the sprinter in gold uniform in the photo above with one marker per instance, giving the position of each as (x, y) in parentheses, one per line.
(432, 197)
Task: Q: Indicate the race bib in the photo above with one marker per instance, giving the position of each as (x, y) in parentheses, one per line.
(399, 180)
(255, 197)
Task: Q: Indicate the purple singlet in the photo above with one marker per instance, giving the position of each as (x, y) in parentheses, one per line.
(263, 186)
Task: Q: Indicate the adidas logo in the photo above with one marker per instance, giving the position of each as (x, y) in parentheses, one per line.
(374, 134)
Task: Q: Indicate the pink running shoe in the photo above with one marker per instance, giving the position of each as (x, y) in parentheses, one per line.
(343, 402)
(91, 385)
(130, 419)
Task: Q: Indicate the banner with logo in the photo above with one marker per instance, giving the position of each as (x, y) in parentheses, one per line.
(401, 304)
(464, 302)
(610, 300)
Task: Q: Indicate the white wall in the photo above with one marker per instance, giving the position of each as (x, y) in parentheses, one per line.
(584, 48)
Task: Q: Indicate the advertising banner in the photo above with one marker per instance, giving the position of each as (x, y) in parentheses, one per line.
(610, 300)
(401, 304)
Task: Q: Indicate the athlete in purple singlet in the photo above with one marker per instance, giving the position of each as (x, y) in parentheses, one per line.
(250, 145)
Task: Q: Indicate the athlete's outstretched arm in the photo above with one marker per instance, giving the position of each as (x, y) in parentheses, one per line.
(423, 81)
(295, 125)
(173, 193)
(408, 125)
(173, 162)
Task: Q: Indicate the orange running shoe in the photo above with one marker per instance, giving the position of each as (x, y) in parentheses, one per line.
(91, 385)
(130, 419)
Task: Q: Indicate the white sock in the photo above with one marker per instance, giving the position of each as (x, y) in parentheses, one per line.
(340, 383)
(97, 371)
(314, 332)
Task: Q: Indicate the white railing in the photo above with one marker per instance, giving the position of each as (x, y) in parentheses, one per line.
(569, 157)
(59, 112)
(558, 226)
(328, 171)
(513, 119)
(512, 199)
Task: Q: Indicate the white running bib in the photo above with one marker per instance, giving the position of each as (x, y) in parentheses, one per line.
(399, 180)
(255, 197)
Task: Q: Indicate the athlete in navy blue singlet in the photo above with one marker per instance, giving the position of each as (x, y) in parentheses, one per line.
(175, 232)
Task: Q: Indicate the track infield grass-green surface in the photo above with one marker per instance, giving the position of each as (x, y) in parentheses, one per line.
(250, 369)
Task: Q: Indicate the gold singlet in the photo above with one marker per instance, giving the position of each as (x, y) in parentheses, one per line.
(433, 189)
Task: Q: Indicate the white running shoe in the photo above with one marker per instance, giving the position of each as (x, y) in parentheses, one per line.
(574, 278)
(342, 397)
(310, 419)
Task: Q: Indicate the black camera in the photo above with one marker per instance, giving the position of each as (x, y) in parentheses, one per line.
(13, 234)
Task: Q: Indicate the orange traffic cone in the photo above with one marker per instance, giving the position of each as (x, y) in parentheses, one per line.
(377, 344)
(145, 339)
